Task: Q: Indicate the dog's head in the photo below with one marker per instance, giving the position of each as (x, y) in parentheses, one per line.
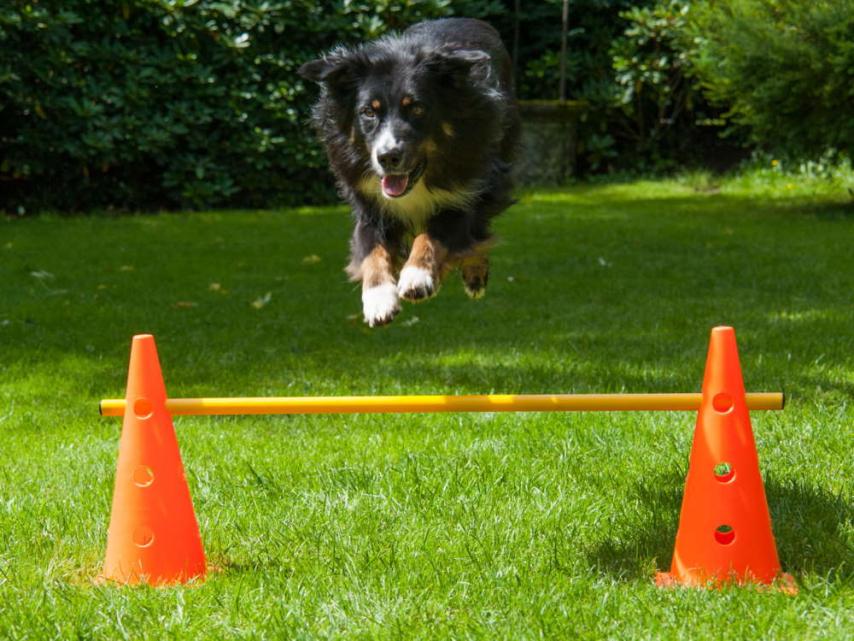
(397, 107)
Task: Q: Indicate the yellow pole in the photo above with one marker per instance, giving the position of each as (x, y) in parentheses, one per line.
(442, 403)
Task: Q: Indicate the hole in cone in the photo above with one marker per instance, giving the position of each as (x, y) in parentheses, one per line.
(724, 471)
(143, 537)
(142, 408)
(722, 402)
(143, 476)
(724, 534)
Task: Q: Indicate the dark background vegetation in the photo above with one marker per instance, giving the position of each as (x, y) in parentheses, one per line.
(148, 104)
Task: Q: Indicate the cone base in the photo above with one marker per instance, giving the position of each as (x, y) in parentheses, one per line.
(784, 582)
(120, 579)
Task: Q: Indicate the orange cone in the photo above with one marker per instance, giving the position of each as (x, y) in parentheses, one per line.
(153, 535)
(724, 529)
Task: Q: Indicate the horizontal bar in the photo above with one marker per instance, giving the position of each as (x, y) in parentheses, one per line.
(441, 403)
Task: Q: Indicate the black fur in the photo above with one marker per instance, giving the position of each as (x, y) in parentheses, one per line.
(457, 136)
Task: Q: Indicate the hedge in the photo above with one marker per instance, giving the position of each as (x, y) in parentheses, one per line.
(163, 104)
(149, 104)
(783, 68)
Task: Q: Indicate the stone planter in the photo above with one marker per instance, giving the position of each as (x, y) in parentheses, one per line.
(549, 141)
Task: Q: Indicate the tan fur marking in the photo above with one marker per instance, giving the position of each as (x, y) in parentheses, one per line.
(376, 104)
(475, 273)
(406, 101)
(473, 255)
(448, 128)
(430, 147)
(376, 269)
(430, 254)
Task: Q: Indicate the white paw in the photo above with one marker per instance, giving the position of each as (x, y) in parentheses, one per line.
(415, 283)
(380, 304)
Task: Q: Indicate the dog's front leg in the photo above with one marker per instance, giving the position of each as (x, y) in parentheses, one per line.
(423, 271)
(373, 250)
(379, 293)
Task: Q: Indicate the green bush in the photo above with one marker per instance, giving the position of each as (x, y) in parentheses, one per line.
(593, 24)
(147, 104)
(784, 69)
(628, 60)
(656, 95)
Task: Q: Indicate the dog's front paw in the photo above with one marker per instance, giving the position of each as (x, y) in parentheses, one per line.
(380, 304)
(415, 283)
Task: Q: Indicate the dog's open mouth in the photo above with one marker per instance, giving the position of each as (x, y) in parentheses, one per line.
(397, 185)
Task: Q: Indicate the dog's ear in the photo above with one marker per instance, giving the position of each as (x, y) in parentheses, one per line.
(315, 70)
(332, 69)
(463, 65)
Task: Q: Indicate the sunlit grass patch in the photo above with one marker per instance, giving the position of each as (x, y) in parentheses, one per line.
(430, 526)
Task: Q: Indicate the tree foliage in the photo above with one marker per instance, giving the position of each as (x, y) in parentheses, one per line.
(145, 104)
(169, 103)
(783, 68)
(652, 79)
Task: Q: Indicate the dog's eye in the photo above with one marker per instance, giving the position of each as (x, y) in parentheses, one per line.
(368, 112)
(418, 110)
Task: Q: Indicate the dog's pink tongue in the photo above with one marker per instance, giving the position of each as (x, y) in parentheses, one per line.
(394, 185)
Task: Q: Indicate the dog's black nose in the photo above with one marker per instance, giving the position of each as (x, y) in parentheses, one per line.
(390, 160)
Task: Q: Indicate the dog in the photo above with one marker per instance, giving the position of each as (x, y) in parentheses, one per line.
(420, 130)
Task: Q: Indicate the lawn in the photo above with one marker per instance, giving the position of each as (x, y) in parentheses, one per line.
(431, 526)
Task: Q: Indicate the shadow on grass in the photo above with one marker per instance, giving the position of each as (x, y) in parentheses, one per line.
(831, 211)
(595, 289)
(809, 527)
(628, 555)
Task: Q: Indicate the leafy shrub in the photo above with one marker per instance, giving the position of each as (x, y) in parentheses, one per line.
(653, 72)
(146, 104)
(784, 68)
(629, 60)
(169, 103)
(593, 25)
(142, 104)
(618, 132)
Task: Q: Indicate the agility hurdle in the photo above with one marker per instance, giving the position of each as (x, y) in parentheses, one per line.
(441, 403)
(724, 533)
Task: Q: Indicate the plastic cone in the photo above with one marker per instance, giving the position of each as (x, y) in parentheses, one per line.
(724, 530)
(153, 535)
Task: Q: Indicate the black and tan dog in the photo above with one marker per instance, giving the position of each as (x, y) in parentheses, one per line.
(420, 129)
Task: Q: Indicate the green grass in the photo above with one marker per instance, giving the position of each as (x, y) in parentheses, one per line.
(437, 526)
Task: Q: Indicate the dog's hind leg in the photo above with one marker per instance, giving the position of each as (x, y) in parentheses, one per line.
(475, 273)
